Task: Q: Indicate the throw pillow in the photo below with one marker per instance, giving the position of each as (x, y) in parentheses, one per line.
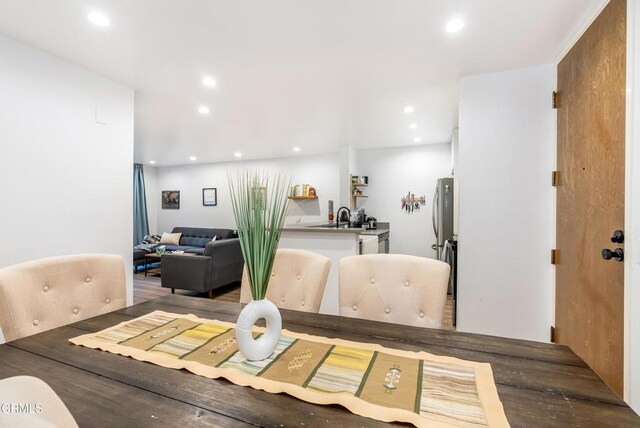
(151, 239)
(171, 238)
(214, 238)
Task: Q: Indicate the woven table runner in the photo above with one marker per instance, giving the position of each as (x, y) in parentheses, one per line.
(369, 380)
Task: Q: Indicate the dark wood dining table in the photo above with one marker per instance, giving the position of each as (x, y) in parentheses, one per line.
(540, 385)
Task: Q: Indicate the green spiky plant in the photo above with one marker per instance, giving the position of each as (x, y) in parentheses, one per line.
(260, 206)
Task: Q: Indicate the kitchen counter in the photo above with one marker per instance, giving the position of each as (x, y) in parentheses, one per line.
(324, 227)
(334, 243)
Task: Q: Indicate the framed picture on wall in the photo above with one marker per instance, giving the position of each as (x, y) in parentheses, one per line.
(170, 199)
(210, 197)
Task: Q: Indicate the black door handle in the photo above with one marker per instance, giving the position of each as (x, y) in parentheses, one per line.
(618, 237)
(617, 254)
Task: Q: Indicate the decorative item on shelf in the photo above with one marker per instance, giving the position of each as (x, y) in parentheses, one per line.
(259, 221)
(302, 191)
(411, 203)
(360, 180)
(330, 211)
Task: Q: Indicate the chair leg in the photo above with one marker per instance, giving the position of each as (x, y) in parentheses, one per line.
(173, 291)
(211, 294)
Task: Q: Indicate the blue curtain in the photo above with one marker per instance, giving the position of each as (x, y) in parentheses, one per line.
(140, 218)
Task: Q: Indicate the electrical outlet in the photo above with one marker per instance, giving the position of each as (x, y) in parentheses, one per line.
(100, 116)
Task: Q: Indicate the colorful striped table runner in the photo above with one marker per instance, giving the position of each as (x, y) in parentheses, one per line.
(369, 380)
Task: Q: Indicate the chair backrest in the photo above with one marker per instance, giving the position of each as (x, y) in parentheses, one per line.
(297, 280)
(48, 293)
(394, 288)
(46, 409)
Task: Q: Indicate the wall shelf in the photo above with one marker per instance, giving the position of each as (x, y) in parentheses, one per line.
(302, 198)
(356, 182)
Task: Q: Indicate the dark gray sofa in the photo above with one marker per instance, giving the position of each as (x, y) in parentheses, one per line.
(215, 264)
(194, 239)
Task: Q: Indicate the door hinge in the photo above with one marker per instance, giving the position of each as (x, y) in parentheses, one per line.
(554, 257)
(552, 336)
(555, 178)
(555, 99)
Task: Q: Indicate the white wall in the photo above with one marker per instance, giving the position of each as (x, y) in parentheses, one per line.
(66, 180)
(632, 213)
(348, 167)
(506, 155)
(394, 172)
(320, 171)
(154, 200)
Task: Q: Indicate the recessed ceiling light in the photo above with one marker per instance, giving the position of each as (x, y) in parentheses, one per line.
(193, 158)
(456, 24)
(413, 126)
(238, 154)
(417, 140)
(152, 162)
(209, 82)
(99, 19)
(203, 110)
(296, 149)
(409, 109)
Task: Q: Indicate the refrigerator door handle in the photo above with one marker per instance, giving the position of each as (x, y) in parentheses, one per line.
(434, 211)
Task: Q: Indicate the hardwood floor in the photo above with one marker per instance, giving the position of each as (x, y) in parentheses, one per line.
(147, 288)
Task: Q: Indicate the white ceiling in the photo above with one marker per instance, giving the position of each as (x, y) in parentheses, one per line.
(317, 74)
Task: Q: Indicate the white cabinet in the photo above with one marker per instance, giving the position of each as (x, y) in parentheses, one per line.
(368, 244)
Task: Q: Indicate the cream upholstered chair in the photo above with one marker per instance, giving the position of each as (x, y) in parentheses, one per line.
(394, 288)
(48, 293)
(297, 280)
(46, 409)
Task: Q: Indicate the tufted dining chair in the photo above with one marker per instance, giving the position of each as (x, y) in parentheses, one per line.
(394, 288)
(43, 294)
(297, 280)
(46, 409)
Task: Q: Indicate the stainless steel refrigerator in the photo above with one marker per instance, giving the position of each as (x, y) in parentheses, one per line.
(445, 247)
(442, 214)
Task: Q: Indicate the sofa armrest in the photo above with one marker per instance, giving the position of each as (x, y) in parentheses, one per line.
(228, 261)
(186, 272)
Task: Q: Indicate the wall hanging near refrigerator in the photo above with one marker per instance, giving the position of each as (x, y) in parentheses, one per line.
(411, 203)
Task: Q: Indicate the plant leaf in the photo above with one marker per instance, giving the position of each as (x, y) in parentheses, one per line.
(260, 206)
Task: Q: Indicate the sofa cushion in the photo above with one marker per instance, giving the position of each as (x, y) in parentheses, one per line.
(185, 248)
(171, 238)
(200, 236)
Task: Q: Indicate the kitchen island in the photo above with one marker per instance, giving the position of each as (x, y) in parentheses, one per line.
(331, 242)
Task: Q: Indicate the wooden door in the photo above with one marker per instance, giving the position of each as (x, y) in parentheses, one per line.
(590, 194)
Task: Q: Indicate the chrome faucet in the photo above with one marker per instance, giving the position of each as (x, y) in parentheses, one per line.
(338, 216)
